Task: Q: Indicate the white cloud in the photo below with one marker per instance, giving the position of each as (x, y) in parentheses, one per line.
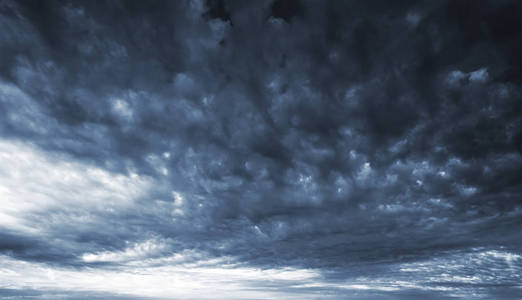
(122, 109)
(196, 281)
(34, 181)
(137, 251)
(178, 199)
(364, 171)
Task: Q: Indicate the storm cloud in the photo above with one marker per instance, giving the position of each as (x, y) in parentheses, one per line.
(260, 149)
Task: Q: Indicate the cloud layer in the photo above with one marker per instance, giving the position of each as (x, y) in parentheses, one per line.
(343, 140)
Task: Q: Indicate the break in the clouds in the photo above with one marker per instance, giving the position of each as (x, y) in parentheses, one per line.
(260, 149)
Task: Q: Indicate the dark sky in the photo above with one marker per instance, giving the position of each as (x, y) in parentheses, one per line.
(260, 149)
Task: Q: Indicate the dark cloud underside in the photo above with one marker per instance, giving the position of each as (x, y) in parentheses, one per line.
(344, 136)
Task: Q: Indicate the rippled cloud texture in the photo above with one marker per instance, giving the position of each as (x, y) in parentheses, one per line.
(260, 149)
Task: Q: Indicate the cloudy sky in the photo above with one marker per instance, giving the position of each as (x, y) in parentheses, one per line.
(260, 149)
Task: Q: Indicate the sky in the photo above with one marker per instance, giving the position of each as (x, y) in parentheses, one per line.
(285, 149)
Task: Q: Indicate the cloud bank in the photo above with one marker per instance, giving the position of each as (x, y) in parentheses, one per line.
(244, 149)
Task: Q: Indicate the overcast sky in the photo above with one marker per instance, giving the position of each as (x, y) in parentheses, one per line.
(260, 149)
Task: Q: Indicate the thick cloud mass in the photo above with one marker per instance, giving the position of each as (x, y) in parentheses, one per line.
(260, 149)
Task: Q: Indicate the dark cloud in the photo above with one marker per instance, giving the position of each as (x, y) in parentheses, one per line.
(332, 135)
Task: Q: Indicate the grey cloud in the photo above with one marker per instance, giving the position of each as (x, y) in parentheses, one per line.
(330, 135)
